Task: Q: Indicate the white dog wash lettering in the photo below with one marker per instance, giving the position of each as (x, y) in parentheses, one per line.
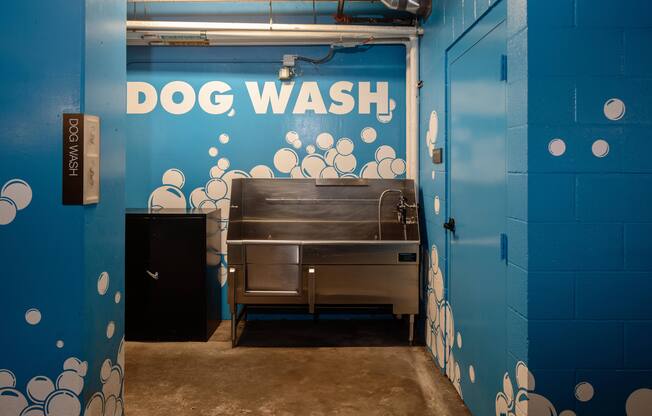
(216, 97)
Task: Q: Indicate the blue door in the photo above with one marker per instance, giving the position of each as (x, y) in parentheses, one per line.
(477, 202)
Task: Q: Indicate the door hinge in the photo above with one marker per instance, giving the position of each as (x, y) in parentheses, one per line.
(503, 67)
(503, 246)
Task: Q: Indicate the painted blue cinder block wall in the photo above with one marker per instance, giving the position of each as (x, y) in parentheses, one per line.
(579, 102)
(589, 204)
(478, 380)
(189, 159)
(65, 56)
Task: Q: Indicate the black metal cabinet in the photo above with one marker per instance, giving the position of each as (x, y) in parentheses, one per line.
(171, 292)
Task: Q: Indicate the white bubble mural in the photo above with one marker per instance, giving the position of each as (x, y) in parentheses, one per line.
(15, 195)
(600, 148)
(614, 109)
(520, 399)
(557, 147)
(170, 194)
(440, 325)
(431, 133)
(33, 316)
(42, 396)
(639, 403)
(321, 156)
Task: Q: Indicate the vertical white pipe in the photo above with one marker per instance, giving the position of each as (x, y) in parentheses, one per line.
(412, 109)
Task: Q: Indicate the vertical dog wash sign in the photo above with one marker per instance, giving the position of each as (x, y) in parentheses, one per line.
(81, 159)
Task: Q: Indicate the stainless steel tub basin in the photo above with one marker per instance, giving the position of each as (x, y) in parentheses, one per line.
(306, 242)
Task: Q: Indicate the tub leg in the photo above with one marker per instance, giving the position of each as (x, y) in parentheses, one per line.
(411, 335)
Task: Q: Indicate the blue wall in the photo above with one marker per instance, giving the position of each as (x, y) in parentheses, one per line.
(66, 56)
(577, 311)
(189, 159)
(589, 209)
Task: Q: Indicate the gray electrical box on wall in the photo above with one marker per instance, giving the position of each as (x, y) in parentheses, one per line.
(81, 159)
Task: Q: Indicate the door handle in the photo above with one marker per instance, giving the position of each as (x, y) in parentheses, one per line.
(152, 275)
(450, 225)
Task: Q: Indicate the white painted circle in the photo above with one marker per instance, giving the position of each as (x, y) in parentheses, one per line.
(438, 285)
(639, 403)
(166, 196)
(345, 163)
(524, 378)
(584, 391)
(291, 137)
(345, 146)
(370, 171)
(62, 403)
(19, 192)
(368, 135)
(7, 211)
(33, 410)
(113, 383)
(59, 344)
(614, 109)
(296, 172)
(212, 152)
(459, 340)
(7, 379)
(39, 388)
(310, 149)
(472, 374)
(329, 172)
(70, 380)
(385, 152)
(325, 141)
(600, 148)
(557, 147)
(117, 297)
(174, 177)
(312, 165)
(434, 257)
(105, 370)
(103, 283)
(74, 363)
(508, 387)
(285, 159)
(110, 329)
(297, 144)
(398, 166)
(109, 405)
(216, 189)
(437, 205)
(224, 138)
(197, 196)
(33, 316)
(223, 163)
(95, 407)
(385, 168)
(329, 156)
(214, 172)
(261, 171)
(433, 127)
(12, 402)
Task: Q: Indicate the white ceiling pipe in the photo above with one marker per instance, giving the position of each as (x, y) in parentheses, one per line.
(147, 25)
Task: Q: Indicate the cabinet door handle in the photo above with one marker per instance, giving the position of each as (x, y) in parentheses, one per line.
(152, 275)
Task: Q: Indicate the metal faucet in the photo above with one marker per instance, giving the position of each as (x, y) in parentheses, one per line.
(401, 211)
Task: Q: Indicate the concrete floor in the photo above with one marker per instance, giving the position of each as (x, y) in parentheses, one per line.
(289, 368)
